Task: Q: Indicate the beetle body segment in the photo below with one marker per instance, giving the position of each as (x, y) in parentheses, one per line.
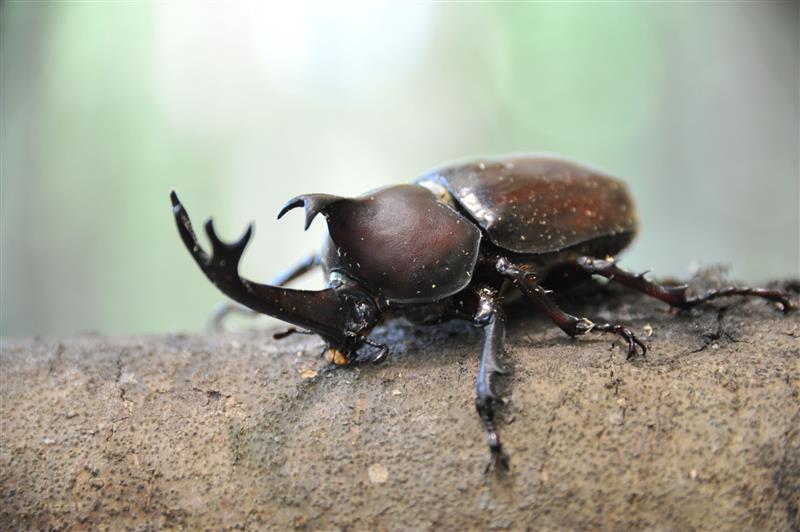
(540, 204)
(401, 243)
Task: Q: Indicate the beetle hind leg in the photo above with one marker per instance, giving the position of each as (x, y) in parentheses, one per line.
(572, 325)
(676, 295)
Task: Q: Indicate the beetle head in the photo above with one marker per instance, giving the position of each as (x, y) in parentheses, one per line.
(359, 314)
(342, 314)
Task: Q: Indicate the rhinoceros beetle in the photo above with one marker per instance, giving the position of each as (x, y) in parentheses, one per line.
(446, 247)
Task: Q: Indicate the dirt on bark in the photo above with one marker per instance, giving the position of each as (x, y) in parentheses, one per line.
(238, 430)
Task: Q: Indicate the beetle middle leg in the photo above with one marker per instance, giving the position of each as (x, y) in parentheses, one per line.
(676, 295)
(572, 325)
(491, 317)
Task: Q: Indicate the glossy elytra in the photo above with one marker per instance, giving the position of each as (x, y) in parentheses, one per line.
(446, 247)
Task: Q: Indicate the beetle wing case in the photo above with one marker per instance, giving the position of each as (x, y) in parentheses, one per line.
(539, 204)
(402, 243)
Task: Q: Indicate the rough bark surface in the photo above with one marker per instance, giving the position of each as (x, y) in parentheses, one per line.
(241, 431)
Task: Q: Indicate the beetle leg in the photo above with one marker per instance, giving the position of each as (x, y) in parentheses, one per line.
(383, 351)
(676, 295)
(288, 332)
(298, 270)
(490, 315)
(572, 325)
(223, 309)
(216, 321)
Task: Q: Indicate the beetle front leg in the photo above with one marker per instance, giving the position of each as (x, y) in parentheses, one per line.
(382, 353)
(572, 325)
(676, 295)
(490, 315)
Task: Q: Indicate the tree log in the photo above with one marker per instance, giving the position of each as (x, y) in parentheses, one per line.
(238, 430)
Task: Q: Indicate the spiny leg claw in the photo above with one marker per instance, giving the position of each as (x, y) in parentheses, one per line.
(634, 344)
(585, 326)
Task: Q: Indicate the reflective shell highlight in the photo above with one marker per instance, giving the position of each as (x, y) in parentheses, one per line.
(539, 204)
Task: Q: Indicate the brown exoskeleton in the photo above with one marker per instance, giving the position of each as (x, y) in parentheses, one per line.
(445, 247)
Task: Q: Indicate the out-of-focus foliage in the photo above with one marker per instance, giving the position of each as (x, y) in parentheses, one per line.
(106, 106)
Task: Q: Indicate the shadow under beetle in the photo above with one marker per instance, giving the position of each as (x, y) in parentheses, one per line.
(446, 247)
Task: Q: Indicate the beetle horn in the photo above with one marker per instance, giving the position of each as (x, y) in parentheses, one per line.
(338, 314)
(313, 204)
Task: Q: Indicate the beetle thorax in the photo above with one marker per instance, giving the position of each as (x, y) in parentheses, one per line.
(401, 244)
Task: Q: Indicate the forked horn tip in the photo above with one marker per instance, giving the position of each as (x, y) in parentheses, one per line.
(219, 245)
(177, 206)
(313, 204)
(242, 242)
(210, 231)
(291, 204)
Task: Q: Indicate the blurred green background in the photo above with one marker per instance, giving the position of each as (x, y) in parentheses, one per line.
(240, 106)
